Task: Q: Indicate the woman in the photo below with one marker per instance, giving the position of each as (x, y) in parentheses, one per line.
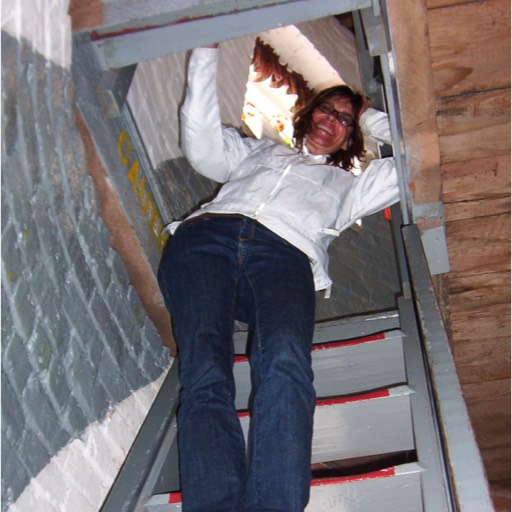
(257, 253)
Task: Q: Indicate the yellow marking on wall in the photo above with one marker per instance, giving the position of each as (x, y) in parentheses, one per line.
(144, 196)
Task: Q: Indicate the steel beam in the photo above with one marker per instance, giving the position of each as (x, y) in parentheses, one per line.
(463, 457)
(143, 43)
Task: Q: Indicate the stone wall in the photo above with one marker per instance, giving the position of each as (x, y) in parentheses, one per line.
(81, 362)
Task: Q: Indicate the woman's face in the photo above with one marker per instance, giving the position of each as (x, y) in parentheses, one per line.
(327, 133)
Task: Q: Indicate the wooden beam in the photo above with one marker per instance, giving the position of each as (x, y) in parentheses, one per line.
(479, 245)
(434, 4)
(480, 360)
(413, 67)
(86, 15)
(470, 47)
(489, 410)
(474, 126)
(497, 460)
(479, 310)
(491, 174)
(479, 292)
(481, 392)
(481, 324)
(476, 208)
(125, 242)
(486, 395)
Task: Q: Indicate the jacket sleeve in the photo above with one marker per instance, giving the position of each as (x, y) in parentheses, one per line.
(375, 189)
(212, 150)
(375, 124)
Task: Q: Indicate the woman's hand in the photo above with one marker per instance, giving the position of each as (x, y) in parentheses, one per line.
(367, 103)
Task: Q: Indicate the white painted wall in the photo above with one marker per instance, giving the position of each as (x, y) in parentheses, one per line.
(44, 23)
(79, 476)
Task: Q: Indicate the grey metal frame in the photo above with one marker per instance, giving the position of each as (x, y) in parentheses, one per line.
(466, 473)
(151, 457)
(136, 46)
(101, 98)
(436, 488)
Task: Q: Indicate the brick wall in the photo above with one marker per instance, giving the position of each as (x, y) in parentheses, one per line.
(81, 362)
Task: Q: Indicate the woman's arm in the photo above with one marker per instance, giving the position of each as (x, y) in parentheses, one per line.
(212, 150)
(201, 130)
(375, 124)
(375, 189)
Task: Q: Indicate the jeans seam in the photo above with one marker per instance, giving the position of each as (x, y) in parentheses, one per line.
(261, 355)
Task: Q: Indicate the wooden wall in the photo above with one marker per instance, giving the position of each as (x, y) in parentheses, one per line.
(452, 61)
(470, 52)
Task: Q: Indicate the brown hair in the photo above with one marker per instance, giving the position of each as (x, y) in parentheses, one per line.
(302, 121)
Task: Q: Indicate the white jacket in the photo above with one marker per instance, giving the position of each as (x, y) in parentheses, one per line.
(293, 194)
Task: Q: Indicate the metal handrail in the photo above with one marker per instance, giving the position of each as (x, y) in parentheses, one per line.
(470, 491)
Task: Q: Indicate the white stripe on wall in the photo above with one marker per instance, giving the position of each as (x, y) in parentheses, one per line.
(79, 476)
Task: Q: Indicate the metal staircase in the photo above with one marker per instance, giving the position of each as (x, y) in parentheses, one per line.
(391, 431)
(362, 412)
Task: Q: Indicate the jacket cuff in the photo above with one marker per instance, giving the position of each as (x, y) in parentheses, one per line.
(375, 124)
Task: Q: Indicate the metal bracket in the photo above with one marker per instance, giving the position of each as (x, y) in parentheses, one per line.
(376, 35)
(101, 99)
(376, 7)
(113, 88)
(429, 218)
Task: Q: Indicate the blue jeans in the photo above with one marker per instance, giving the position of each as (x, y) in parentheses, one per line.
(215, 270)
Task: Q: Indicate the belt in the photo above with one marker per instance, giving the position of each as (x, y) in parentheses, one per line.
(208, 215)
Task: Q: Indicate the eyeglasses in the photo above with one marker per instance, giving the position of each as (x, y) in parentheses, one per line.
(342, 117)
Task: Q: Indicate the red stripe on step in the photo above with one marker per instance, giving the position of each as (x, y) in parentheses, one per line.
(383, 473)
(175, 497)
(331, 344)
(356, 398)
(354, 341)
(383, 393)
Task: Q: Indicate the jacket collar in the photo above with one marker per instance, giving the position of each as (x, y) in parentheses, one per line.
(321, 159)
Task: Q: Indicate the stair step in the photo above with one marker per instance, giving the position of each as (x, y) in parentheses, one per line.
(396, 488)
(370, 424)
(338, 329)
(359, 426)
(343, 368)
(340, 360)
